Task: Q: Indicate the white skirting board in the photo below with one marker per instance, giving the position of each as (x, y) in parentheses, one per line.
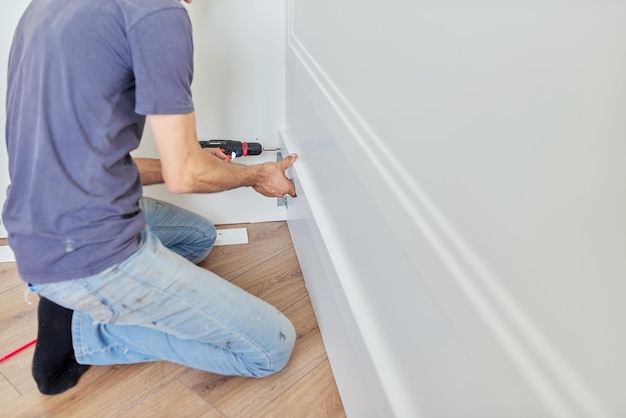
(320, 259)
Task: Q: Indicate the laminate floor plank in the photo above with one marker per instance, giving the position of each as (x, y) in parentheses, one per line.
(160, 404)
(312, 402)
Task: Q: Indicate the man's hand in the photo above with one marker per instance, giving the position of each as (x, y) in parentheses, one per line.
(216, 152)
(272, 179)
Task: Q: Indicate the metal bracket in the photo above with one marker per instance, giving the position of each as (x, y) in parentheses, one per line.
(280, 201)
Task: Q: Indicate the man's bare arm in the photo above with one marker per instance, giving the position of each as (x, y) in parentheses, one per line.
(149, 170)
(187, 169)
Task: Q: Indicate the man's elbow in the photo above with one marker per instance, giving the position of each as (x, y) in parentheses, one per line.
(180, 184)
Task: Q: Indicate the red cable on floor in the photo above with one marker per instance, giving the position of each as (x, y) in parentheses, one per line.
(17, 350)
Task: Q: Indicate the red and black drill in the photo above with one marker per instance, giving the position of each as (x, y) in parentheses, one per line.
(234, 149)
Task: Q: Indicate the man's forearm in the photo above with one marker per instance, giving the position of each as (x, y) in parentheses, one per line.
(149, 170)
(186, 168)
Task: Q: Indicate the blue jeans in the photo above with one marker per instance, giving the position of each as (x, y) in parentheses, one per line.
(158, 305)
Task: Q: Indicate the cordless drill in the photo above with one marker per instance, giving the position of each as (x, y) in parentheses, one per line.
(236, 148)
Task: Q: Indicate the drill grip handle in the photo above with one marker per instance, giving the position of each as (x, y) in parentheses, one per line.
(238, 147)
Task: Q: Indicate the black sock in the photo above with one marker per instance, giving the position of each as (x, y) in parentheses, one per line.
(54, 367)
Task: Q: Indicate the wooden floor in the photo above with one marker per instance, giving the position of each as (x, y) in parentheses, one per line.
(266, 267)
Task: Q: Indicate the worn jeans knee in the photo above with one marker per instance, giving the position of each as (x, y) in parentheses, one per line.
(184, 232)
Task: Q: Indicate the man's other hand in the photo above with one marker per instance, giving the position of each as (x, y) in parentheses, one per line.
(272, 180)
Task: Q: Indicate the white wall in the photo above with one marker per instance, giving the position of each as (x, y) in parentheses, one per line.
(239, 93)
(461, 223)
(9, 16)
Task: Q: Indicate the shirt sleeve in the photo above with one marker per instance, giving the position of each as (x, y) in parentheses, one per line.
(161, 47)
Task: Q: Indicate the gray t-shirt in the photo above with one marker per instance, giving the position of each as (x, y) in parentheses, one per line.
(82, 76)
